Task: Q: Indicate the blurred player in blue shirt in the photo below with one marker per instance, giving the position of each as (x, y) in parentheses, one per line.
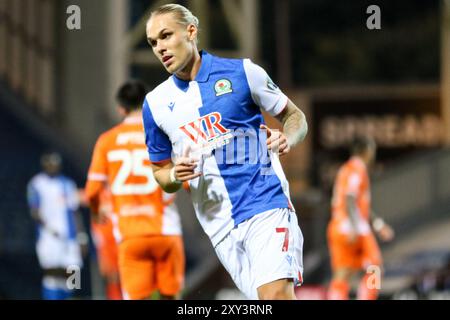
(53, 201)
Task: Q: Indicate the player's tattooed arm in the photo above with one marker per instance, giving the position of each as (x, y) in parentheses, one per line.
(294, 123)
(295, 128)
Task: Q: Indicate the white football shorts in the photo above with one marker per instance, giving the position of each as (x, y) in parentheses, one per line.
(265, 248)
(53, 252)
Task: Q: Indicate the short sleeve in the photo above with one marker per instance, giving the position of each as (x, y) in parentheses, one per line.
(158, 144)
(97, 175)
(265, 92)
(98, 169)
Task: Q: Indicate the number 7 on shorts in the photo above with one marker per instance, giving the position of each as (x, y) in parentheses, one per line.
(286, 238)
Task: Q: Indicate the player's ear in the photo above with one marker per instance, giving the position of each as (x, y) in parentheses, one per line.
(192, 32)
(121, 111)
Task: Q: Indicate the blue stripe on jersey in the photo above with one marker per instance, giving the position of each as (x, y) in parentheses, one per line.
(72, 234)
(38, 229)
(250, 191)
(158, 143)
(70, 214)
(33, 197)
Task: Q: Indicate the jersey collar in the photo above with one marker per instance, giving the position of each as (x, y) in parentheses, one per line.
(202, 75)
(205, 67)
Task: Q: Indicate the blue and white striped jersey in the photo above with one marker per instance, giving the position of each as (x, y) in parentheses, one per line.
(219, 115)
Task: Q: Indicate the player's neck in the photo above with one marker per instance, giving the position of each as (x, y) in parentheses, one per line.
(362, 159)
(134, 114)
(133, 117)
(52, 174)
(190, 71)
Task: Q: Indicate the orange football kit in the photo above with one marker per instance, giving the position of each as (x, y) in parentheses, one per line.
(151, 253)
(352, 179)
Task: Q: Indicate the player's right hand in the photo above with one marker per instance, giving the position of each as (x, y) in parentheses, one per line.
(185, 167)
(386, 233)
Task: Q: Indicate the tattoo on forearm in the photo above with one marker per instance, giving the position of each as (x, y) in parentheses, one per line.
(295, 128)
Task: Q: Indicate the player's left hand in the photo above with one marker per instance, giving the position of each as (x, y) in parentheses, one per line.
(276, 141)
(101, 217)
(386, 233)
(184, 169)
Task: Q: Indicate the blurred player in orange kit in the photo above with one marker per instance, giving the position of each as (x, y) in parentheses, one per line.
(353, 246)
(151, 253)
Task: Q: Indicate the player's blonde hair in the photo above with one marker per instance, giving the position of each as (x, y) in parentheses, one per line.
(183, 15)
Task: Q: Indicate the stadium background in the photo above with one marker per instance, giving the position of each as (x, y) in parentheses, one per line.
(57, 91)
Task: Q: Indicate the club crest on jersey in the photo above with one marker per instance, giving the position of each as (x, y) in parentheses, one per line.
(208, 132)
(222, 87)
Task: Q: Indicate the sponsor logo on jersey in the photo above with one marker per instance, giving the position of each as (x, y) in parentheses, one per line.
(207, 132)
